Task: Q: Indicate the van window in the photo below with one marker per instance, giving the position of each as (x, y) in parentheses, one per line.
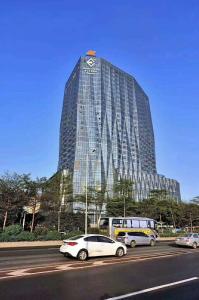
(143, 234)
(133, 233)
(121, 234)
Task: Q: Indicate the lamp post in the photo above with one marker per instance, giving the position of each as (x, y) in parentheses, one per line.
(86, 187)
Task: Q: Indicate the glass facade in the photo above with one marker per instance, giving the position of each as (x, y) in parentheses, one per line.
(106, 131)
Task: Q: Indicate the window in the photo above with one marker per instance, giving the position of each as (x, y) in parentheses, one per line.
(150, 224)
(117, 222)
(195, 235)
(136, 234)
(135, 223)
(103, 239)
(143, 224)
(121, 234)
(143, 234)
(91, 239)
(133, 233)
(127, 223)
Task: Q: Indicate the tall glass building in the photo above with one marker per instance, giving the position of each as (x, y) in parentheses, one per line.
(106, 130)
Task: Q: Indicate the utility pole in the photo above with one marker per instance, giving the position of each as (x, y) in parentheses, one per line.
(124, 206)
(86, 187)
(191, 223)
(86, 204)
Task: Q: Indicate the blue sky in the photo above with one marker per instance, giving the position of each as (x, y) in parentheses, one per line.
(156, 41)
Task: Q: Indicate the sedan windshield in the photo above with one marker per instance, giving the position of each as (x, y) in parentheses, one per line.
(188, 235)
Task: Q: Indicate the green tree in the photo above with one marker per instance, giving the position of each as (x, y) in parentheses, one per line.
(12, 196)
(34, 191)
(123, 190)
(57, 196)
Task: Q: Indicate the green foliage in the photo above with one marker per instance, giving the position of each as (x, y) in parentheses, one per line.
(29, 236)
(26, 236)
(73, 222)
(172, 234)
(40, 231)
(68, 221)
(54, 189)
(12, 196)
(14, 233)
(53, 235)
(13, 230)
(123, 188)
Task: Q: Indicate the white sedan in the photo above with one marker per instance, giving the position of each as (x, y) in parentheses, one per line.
(89, 245)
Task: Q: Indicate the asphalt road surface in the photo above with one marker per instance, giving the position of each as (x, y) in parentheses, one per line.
(161, 272)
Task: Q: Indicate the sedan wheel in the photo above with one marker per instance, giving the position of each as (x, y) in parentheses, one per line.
(152, 243)
(120, 252)
(82, 255)
(133, 244)
(194, 246)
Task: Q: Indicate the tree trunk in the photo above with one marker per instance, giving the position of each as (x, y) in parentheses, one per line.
(174, 224)
(24, 220)
(58, 220)
(5, 220)
(33, 219)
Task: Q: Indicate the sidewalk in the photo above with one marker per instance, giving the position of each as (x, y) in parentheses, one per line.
(35, 244)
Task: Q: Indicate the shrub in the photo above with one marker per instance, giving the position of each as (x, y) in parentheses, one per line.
(172, 234)
(40, 231)
(25, 236)
(53, 235)
(4, 237)
(13, 230)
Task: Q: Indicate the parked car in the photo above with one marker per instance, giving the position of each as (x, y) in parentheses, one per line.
(136, 238)
(89, 245)
(190, 240)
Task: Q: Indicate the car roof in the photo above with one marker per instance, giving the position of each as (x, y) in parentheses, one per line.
(93, 234)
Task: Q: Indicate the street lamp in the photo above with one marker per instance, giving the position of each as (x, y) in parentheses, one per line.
(86, 187)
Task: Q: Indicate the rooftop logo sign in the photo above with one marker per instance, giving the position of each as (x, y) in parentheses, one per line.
(90, 65)
(91, 62)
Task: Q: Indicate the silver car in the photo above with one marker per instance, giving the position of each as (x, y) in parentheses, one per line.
(136, 238)
(190, 240)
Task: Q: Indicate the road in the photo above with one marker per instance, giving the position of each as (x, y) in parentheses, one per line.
(169, 273)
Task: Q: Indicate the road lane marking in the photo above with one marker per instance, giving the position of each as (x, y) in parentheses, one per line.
(152, 289)
(81, 265)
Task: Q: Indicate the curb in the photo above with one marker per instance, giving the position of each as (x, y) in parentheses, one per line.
(50, 244)
(33, 244)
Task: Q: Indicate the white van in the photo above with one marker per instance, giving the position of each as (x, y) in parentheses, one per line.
(136, 238)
